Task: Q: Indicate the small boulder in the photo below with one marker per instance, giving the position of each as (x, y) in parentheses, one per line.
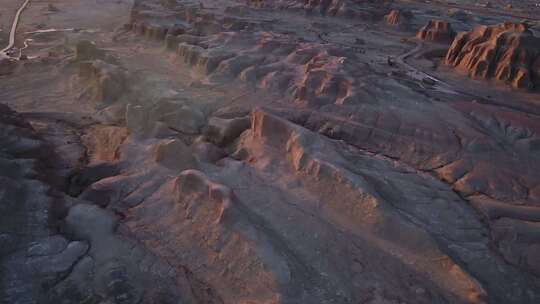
(221, 131)
(207, 152)
(90, 222)
(136, 119)
(174, 154)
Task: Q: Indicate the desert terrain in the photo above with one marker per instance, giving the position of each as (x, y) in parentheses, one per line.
(268, 152)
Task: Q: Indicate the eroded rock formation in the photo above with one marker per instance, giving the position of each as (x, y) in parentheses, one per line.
(313, 73)
(398, 18)
(436, 31)
(340, 8)
(227, 154)
(107, 83)
(508, 53)
(60, 249)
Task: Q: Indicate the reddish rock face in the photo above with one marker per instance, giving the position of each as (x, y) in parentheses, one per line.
(507, 52)
(436, 31)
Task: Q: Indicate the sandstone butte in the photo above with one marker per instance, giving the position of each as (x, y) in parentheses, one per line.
(507, 52)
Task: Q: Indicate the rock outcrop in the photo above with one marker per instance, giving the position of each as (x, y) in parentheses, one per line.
(436, 31)
(508, 52)
(163, 118)
(222, 131)
(87, 50)
(174, 154)
(107, 82)
(31, 254)
(57, 249)
(398, 18)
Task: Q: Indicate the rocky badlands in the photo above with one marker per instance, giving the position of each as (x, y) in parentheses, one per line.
(265, 152)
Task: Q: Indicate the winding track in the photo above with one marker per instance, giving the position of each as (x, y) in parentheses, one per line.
(14, 26)
(444, 87)
(419, 75)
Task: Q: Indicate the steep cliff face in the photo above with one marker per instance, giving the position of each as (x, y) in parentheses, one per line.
(437, 31)
(507, 52)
